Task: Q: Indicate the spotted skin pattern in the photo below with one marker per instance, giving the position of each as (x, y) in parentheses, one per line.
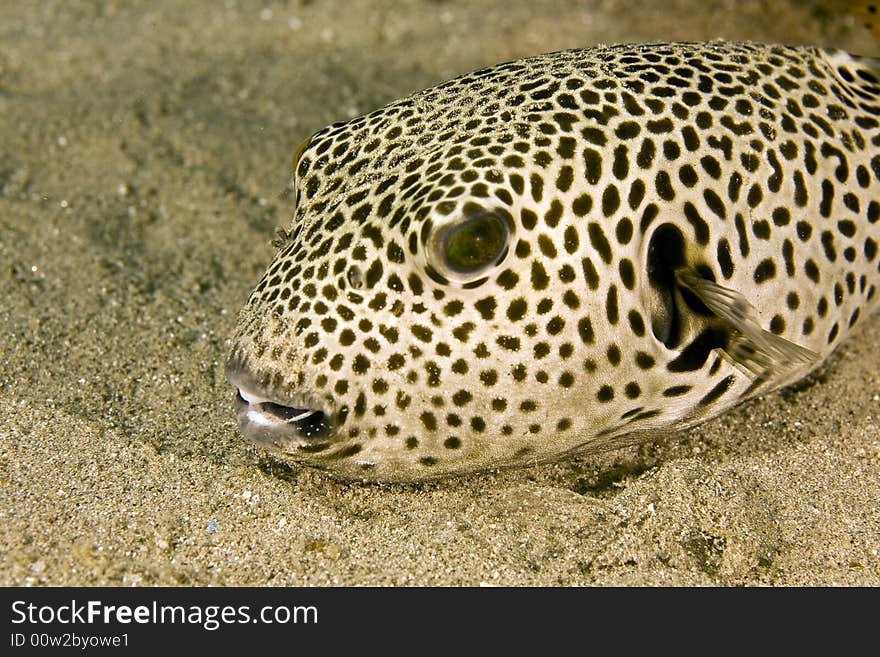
(634, 187)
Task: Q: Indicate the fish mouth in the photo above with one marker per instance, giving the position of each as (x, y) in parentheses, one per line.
(287, 422)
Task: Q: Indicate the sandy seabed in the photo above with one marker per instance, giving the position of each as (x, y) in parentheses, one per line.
(144, 164)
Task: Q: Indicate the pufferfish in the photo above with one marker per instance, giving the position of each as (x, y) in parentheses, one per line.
(564, 254)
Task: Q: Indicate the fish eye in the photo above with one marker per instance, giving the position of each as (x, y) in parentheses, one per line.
(474, 244)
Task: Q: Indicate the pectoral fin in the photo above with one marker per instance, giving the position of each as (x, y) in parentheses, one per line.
(762, 354)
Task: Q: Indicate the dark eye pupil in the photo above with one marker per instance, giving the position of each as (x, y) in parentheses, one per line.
(475, 243)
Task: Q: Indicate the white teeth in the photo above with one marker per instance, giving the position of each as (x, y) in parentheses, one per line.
(258, 417)
(302, 416)
(250, 397)
(255, 417)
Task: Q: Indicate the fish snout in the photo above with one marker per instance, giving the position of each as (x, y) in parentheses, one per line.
(272, 418)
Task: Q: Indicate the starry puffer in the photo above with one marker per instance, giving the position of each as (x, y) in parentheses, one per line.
(564, 254)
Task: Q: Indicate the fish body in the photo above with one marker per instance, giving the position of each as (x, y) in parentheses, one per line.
(565, 253)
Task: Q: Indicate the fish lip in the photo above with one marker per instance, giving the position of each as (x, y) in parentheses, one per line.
(299, 422)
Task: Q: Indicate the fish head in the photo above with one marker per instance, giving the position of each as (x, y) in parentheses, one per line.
(426, 313)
